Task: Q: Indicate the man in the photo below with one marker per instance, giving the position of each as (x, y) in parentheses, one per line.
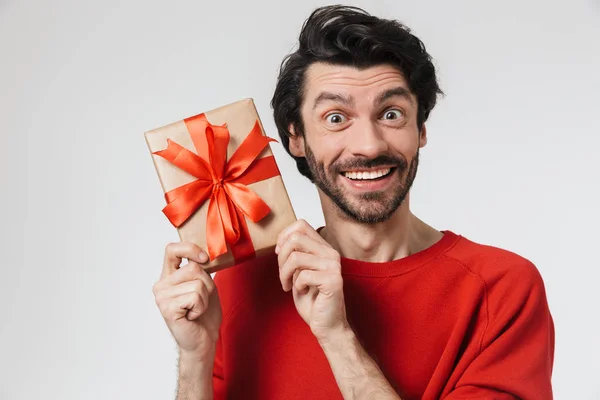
(376, 304)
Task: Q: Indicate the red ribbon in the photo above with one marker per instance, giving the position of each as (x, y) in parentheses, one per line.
(224, 182)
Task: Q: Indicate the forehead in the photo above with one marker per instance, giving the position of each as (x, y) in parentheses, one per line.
(359, 83)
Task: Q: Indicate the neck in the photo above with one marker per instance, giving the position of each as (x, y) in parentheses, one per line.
(401, 235)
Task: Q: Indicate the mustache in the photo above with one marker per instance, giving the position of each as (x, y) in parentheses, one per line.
(366, 163)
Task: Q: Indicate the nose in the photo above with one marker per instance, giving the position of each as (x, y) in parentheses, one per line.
(367, 140)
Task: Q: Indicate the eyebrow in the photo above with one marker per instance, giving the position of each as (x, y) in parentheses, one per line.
(349, 101)
(395, 92)
(328, 96)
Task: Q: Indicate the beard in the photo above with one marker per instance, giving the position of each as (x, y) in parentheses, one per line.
(365, 208)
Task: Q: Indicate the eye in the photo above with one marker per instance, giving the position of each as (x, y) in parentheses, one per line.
(393, 114)
(335, 118)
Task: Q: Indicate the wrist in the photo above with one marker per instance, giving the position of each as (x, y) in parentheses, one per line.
(337, 338)
(195, 376)
(206, 357)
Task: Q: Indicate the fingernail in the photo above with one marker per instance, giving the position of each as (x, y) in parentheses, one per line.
(277, 249)
(203, 257)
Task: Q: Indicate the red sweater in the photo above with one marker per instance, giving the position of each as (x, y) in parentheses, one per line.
(459, 320)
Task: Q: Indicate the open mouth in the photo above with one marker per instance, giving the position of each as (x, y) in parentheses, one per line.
(373, 175)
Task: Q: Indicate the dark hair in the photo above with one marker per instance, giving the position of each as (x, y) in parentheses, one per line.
(343, 35)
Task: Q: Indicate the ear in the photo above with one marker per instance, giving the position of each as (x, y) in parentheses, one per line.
(423, 137)
(296, 143)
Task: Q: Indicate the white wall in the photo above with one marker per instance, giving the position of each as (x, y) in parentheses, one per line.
(511, 161)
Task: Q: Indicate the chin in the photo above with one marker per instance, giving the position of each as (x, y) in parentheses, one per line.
(370, 211)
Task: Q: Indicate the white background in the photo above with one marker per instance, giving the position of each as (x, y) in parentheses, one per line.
(511, 161)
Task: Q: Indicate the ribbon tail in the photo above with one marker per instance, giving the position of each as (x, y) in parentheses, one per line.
(248, 202)
(235, 219)
(247, 152)
(226, 224)
(260, 170)
(243, 250)
(185, 160)
(228, 217)
(184, 201)
(215, 234)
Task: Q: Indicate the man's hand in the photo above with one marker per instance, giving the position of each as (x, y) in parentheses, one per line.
(310, 267)
(188, 301)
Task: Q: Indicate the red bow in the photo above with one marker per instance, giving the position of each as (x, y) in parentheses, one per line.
(224, 182)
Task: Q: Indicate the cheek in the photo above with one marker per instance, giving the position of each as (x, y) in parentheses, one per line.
(333, 152)
(326, 148)
(404, 143)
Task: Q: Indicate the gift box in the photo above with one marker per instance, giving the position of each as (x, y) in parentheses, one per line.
(221, 183)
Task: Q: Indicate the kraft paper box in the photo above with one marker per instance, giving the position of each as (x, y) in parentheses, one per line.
(192, 192)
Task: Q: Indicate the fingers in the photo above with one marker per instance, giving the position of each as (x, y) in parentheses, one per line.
(300, 226)
(175, 252)
(189, 272)
(186, 291)
(300, 247)
(303, 238)
(327, 282)
(183, 292)
(303, 243)
(189, 305)
(304, 261)
(197, 286)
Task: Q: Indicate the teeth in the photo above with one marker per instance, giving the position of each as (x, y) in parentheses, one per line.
(365, 175)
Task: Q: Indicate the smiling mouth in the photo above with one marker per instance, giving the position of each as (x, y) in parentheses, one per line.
(372, 175)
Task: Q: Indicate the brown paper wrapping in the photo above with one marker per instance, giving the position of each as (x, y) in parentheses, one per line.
(240, 118)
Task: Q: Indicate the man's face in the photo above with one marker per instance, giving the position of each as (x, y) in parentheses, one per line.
(361, 139)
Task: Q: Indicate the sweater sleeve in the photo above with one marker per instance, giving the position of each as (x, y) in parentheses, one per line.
(516, 350)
